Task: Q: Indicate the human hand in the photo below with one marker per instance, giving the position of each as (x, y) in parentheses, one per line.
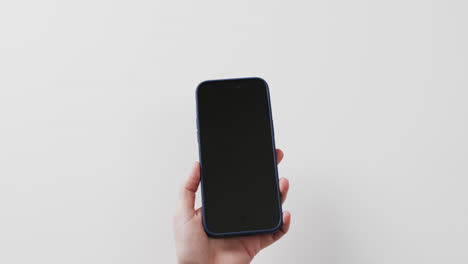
(194, 246)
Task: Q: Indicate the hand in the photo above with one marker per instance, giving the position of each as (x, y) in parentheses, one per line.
(194, 246)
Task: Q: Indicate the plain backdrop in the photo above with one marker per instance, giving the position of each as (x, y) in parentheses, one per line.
(97, 124)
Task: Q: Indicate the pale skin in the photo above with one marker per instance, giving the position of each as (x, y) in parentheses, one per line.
(194, 246)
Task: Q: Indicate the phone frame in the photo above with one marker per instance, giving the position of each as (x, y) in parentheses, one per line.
(247, 232)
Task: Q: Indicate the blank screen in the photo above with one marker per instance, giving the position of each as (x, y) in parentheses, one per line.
(237, 155)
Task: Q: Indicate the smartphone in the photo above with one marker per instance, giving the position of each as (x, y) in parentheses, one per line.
(239, 175)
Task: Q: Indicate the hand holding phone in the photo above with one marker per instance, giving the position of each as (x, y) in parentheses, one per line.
(240, 177)
(194, 246)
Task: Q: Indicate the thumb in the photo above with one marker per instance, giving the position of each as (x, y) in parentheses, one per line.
(186, 200)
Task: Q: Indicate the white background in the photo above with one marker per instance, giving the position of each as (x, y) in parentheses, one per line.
(97, 124)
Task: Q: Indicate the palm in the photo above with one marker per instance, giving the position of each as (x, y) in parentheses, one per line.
(194, 246)
(209, 250)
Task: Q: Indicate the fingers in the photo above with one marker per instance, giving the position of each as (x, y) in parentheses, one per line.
(279, 155)
(283, 182)
(187, 193)
(284, 188)
(266, 240)
(284, 228)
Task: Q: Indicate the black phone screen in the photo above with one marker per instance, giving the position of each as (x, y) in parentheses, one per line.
(237, 157)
